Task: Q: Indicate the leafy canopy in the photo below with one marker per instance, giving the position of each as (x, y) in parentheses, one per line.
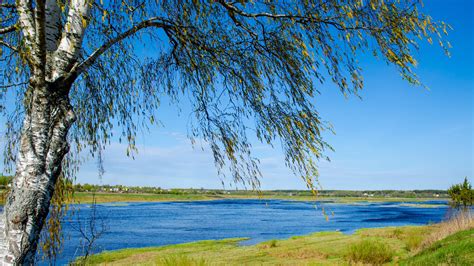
(246, 67)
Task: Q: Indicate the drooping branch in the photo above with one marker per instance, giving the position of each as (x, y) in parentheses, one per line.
(9, 46)
(13, 85)
(233, 8)
(155, 22)
(8, 29)
(7, 5)
(297, 18)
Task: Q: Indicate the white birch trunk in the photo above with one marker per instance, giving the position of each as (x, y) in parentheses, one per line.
(48, 117)
(42, 148)
(54, 50)
(70, 44)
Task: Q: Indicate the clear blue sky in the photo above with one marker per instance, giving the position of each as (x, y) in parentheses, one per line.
(397, 137)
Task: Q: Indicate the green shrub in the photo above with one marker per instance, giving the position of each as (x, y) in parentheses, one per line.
(370, 251)
(273, 243)
(269, 244)
(181, 260)
(397, 233)
(413, 242)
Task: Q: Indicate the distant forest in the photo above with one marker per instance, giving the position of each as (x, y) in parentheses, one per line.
(429, 193)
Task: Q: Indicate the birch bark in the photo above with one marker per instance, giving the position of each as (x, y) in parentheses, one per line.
(53, 49)
(43, 145)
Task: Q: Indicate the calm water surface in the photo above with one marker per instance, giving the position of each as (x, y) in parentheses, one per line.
(133, 225)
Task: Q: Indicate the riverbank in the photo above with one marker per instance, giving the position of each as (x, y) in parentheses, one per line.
(87, 197)
(450, 243)
(108, 197)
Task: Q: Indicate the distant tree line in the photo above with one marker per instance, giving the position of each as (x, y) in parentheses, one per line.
(457, 193)
(142, 189)
(431, 193)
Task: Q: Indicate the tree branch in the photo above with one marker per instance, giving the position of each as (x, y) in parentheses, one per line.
(8, 29)
(156, 22)
(9, 46)
(6, 5)
(13, 85)
(231, 7)
(299, 18)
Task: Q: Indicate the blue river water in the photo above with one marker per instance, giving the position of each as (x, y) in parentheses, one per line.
(132, 225)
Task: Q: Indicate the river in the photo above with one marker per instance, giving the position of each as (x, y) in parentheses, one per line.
(132, 225)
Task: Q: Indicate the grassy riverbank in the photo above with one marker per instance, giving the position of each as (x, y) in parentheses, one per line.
(104, 194)
(101, 197)
(449, 243)
(105, 197)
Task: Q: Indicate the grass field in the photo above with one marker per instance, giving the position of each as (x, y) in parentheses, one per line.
(86, 197)
(449, 243)
(457, 249)
(106, 197)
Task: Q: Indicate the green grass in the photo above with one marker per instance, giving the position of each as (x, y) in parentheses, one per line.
(327, 248)
(108, 197)
(371, 251)
(376, 246)
(86, 197)
(457, 249)
(413, 242)
(157, 255)
(181, 260)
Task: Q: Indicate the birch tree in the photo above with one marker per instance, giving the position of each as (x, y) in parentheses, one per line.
(75, 69)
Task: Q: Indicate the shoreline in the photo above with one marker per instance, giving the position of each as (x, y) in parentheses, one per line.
(112, 197)
(102, 197)
(406, 245)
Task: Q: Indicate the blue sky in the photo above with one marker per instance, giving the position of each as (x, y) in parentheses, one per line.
(396, 137)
